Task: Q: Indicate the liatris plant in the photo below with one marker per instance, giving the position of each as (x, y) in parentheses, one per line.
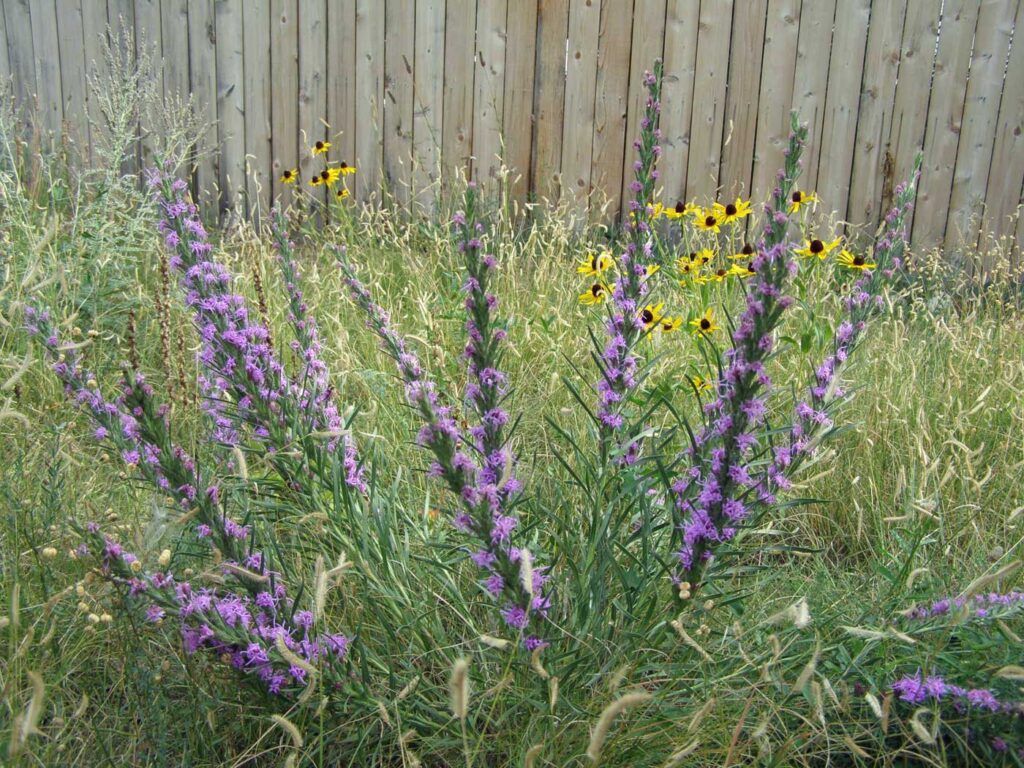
(475, 462)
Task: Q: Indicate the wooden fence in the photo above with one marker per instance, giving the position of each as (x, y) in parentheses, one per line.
(410, 89)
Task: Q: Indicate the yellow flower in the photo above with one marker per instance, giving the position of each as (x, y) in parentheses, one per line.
(818, 248)
(596, 264)
(342, 193)
(321, 147)
(704, 324)
(289, 176)
(596, 294)
(680, 210)
(657, 210)
(651, 269)
(669, 324)
(717, 276)
(345, 169)
(801, 198)
(746, 252)
(700, 384)
(651, 315)
(730, 212)
(330, 175)
(316, 181)
(707, 221)
(742, 270)
(850, 261)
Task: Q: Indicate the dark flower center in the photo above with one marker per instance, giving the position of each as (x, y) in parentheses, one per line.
(858, 261)
(680, 207)
(721, 273)
(710, 221)
(319, 145)
(748, 250)
(797, 197)
(343, 164)
(287, 174)
(693, 257)
(325, 174)
(817, 246)
(596, 290)
(647, 316)
(730, 210)
(705, 324)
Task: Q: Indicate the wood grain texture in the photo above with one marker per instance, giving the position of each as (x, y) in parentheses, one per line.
(202, 43)
(428, 102)
(46, 61)
(517, 127)
(399, 55)
(549, 98)
(71, 39)
(610, 100)
(681, 29)
(256, 85)
(341, 78)
(489, 92)
(312, 95)
(813, 54)
(459, 72)
(231, 106)
(580, 89)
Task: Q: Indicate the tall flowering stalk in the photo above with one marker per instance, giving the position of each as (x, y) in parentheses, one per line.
(248, 615)
(475, 463)
(239, 365)
(629, 319)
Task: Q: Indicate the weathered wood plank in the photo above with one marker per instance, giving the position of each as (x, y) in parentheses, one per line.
(5, 62)
(369, 97)
(256, 86)
(612, 91)
(46, 61)
(231, 105)
(813, 49)
(97, 71)
(428, 106)
(707, 123)
(399, 55)
(284, 111)
(580, 85)
(312, 94)
(202, 54)
(945, 113)
(648, 44)
(838, 137)
(681, 31)
(148, 45)
(776, 99)
(878, 91)
(20, 52)
(981, 108)
(742, 96)
(549, 98)
(341, 79)
(489, 91)
(70, 37)
(520, 60)
(459, 70)
(1006, 173)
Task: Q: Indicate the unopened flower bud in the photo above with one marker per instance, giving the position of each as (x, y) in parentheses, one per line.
(49, 552)
(106, 618)
(165, 558)
(136, 566)
(93, 618)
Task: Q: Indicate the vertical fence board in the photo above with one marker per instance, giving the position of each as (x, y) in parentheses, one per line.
(681, 26)
(920, 30)
(741, 98)
(312, 93)
(945, 113)
(580, 90)
(428, 105)
(341, 80)
(46, 60)
(231, 104)
(549, 98)
(94, 40)
(284, 107)
(202, 40)
(838, 137)
(399, 55)
(149, 46)
(174, 31)
(814, 46)
(5, 61)
(780, 44)
(70, 37)
(489, 91)
(520, 59)
(1006, 173)
(256, 84)
(19, 48)
(611, 91)
(974, 155)
(648, 44)
(707, 123)
(459, 71)
(878, 90)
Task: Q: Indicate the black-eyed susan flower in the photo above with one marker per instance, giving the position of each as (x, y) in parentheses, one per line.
(657, 211)
(669, 324)
(746, 252)
(818, 248)
(716, 276)
(652, 314)
(730, 212)
(330, 175)
(707, 221)
(681, 209)
(596, 294)
(321, 147)
(650, 269)
(799, 198)
(596, 264)
(289, 176)
(742, 270)
(316, 181)
(700, 384)
(345, 169)
(705, 324)
(852, 261)
(342, 193)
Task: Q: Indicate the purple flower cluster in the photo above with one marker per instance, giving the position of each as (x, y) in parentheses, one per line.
(916, 689)
(474, 462)
(239, 364)
(625, 326)
(979, 606)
